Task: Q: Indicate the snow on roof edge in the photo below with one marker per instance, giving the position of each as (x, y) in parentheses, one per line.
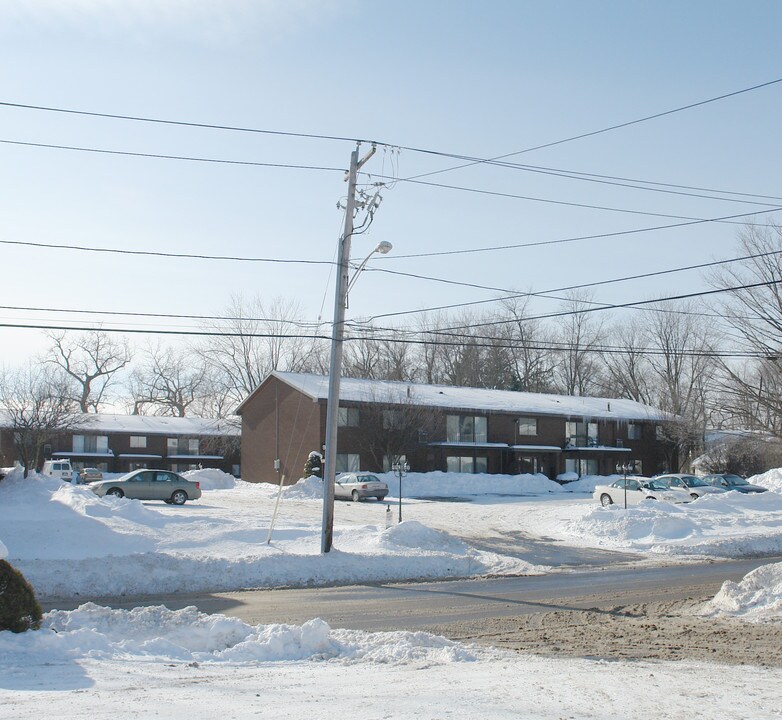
(450, 397)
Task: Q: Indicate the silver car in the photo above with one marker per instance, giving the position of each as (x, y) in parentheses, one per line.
(150, 485)
(357, 486)
(695, 486)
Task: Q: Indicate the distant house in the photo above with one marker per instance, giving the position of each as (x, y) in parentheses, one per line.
(455, 429)
(120, 443)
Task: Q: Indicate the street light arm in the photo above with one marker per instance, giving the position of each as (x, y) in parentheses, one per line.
(383, 248)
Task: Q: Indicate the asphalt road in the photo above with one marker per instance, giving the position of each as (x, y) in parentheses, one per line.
(410, 606)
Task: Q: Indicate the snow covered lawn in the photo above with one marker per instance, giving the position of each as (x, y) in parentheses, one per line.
(70, 543)
(181, 665)
(98, 662)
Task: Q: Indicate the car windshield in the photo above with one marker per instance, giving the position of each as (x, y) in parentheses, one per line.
(692, 481)
(657, 485)
(735, 480)
(367, 478)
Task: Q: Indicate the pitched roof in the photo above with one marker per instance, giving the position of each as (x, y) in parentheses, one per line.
(151, 424)
(465, 398)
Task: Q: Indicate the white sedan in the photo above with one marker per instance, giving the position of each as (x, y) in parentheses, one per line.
(695, 486)
(638, 490)
(357, 486)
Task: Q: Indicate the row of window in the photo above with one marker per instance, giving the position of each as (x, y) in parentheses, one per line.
(100, 444)
(474, 428)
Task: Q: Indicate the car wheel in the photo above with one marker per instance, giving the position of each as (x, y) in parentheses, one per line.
(179, 497)
(605, 500)
(115, 492)
(354, 495)
(694, 496)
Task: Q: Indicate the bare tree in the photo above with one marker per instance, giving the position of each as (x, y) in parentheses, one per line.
(532, 364)
(170, 381)
(257, 339)
(753, 309)
(361, 356)
(627, 373)
(393, 425)
(90, 361)
(578, 361)
(38, 408)
(683, 369)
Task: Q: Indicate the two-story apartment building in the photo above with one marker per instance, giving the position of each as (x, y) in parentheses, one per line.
(121, 443)
(453, 429)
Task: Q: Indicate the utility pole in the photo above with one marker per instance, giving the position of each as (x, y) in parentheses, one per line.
(335, 363)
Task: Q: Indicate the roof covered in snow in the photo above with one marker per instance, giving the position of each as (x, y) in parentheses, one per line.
(464, 398)
(149, 425)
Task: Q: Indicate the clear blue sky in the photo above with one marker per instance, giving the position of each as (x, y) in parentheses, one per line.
(475, 78)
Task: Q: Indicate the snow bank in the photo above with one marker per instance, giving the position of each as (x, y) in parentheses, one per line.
(722, 525)
(772, 480)
(211, 478)
(442, 484)
(757, 598)
(159, 634)
(310, 488)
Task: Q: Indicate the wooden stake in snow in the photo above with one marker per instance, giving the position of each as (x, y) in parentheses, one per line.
(276, 506)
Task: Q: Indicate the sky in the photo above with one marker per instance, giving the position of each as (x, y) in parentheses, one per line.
(464, 78)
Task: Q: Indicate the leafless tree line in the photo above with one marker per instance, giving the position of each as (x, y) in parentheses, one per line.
(670, 355)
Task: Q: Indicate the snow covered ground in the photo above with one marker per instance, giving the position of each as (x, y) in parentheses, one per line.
(97, 662)
(71, 543)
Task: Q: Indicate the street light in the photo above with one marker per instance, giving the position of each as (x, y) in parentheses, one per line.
(401, 468)
(337, 334)
(384, 247)
(625, 468)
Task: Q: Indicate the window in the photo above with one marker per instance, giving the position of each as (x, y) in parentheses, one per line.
(136, 466)
(90, 443)
(347, 417)
(634, 431)
(467, 464)
(193, 446)
(138, 441)
(581, 466)
(348, 462)
(172, 445)
(528, 426)
(581, 434)
(392, 419)
(466, 428)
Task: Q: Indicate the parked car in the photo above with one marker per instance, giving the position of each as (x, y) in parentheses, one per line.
(61, 469)
(163, 485)
(357, 486)
(728, 481)
(638, 490)
(695, 486)
(88, 475)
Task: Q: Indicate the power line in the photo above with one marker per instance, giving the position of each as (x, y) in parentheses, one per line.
(166, 316)
(512, 295)
(202, 333)
(620, 306)
(217, 161)
(479, 161)
(182, 123)
(191, 256)
(479, 191)
(596, 236)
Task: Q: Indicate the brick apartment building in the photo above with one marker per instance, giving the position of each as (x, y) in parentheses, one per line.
(445, 428)
(121, 443)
